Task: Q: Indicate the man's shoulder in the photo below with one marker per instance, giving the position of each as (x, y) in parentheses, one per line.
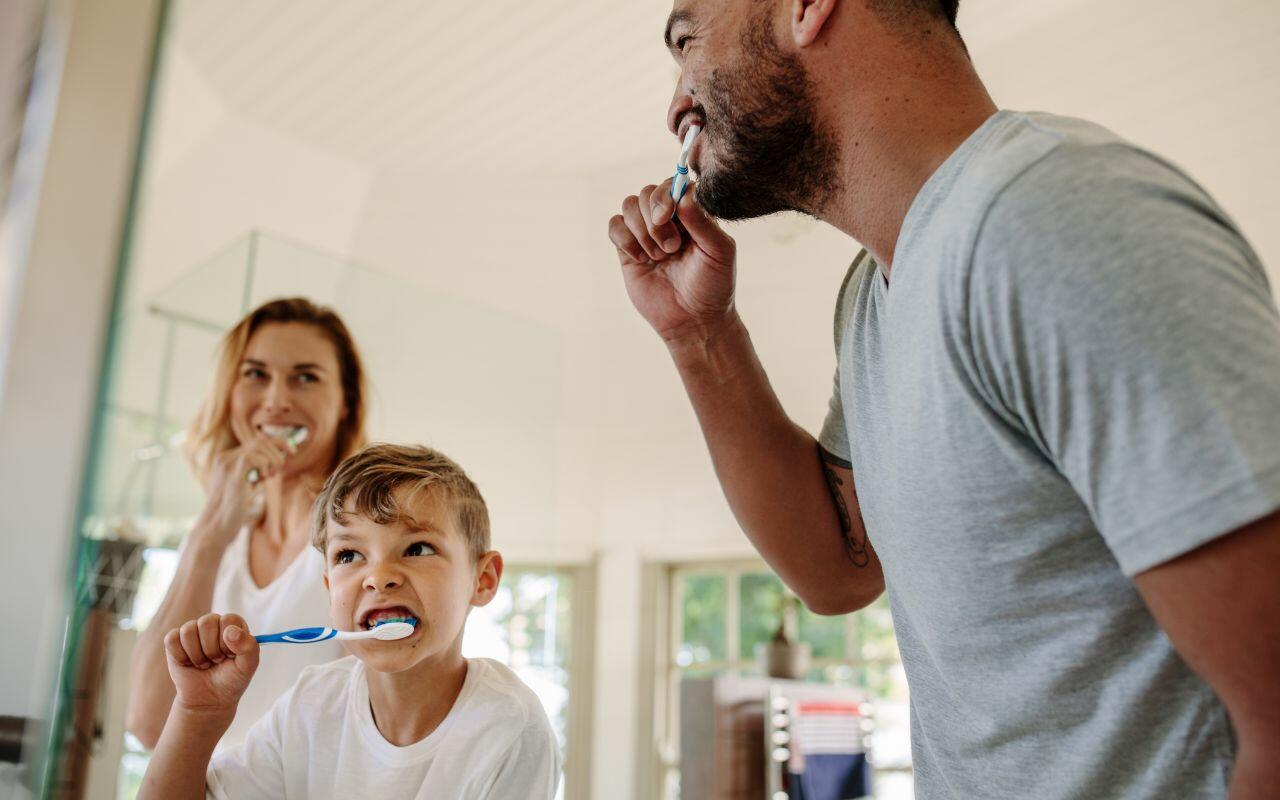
(1051, 173)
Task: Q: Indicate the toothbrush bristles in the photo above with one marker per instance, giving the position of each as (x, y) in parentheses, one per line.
(687, 145)
(390, 630)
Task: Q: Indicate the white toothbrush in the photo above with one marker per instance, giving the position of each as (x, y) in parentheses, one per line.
(292, 438)
(681, 180)
(385, 631)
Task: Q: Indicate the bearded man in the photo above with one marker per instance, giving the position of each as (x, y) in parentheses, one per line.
(1054, 436)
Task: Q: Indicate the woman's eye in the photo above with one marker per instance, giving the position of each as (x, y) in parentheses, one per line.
(308, 377)
(419, 549)
(344, 556)
(255, 373)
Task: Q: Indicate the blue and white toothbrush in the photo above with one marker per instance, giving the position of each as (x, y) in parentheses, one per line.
(680, 181)
(384, 631)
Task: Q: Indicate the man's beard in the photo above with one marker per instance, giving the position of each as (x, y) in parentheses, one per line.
(771, 152)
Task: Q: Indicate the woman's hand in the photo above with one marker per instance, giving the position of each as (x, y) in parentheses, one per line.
(230, 502)
(677, 263)
(211, 661)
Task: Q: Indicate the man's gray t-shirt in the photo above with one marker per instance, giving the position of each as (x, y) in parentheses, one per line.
(1072, 376)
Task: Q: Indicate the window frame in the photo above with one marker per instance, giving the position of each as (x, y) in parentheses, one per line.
(664, 593)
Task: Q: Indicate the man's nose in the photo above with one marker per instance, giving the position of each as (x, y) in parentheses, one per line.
(681, 104)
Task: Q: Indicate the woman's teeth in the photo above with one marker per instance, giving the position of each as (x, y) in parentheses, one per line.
(296, 434)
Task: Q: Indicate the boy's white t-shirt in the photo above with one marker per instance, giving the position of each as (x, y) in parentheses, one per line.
(295, 599)
(320, 741)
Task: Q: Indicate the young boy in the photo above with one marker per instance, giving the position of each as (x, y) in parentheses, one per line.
(405, 534)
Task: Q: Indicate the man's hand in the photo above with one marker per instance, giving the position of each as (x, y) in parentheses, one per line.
(211, 660)
(677, 263)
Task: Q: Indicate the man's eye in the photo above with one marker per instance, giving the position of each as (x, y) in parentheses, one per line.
(344, 556)
(681, 42)
(419, 549)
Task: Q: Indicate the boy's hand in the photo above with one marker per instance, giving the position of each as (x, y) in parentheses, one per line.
(211, 660)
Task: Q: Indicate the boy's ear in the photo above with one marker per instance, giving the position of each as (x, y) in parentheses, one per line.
(488, 576)
(808, 18)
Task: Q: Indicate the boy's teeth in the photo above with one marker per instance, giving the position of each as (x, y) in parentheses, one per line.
(379, 617)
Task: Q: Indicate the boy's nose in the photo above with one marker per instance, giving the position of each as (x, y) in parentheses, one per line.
(381, 580)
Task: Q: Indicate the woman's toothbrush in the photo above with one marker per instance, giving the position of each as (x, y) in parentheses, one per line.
(681, 180)
(387, 631)
(292, 439)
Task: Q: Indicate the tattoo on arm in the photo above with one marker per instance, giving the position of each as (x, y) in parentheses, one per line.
(855, 540)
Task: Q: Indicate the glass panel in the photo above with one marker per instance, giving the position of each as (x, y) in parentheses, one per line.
(526, 626)
(760, 599)
(874, 629)
(826, 635)
(141, 490)
(703, 619)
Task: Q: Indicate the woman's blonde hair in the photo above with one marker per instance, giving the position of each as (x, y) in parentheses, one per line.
(211, 433)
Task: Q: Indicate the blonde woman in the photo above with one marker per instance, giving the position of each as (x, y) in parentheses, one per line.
(287, 406)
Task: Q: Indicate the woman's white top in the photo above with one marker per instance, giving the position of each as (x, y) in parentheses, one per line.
(296, 599)
(320, 741)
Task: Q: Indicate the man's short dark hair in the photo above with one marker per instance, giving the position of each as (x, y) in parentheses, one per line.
(908, 11)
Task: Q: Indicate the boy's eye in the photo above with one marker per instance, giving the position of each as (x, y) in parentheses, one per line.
(419, 549)
(344, 556)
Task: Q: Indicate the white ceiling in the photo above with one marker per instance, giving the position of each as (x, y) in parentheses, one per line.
(576, 85)
(408, 84)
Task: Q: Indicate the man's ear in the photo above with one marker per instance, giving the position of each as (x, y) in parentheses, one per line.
(809, 18)
(488, 576)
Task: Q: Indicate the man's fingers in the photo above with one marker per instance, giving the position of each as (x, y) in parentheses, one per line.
(626, 243)
(703, 229)
(640, 229)
(662, 206)
(664, 233)
(189, 636)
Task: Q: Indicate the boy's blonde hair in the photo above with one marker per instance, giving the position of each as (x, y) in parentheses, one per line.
(366, 484)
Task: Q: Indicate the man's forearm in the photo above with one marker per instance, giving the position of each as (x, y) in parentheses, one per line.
(769, 467)
(151, 692)
(181, 760)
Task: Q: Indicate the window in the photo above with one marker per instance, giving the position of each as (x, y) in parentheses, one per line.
(721, 613)
(527, 627)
